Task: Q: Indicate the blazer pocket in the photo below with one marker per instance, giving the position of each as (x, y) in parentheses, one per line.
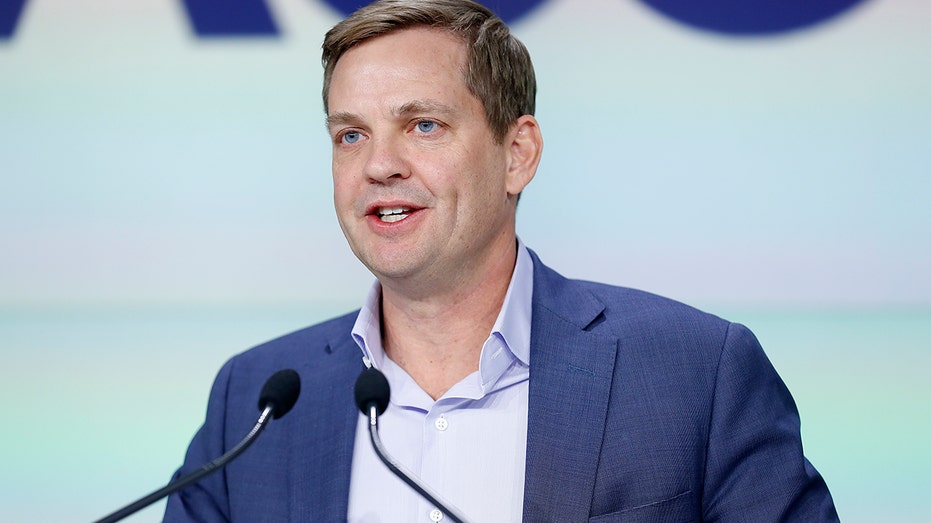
(677, 509)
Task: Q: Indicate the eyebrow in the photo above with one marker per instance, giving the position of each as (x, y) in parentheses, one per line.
(424, 106)
(342, 118)
(410, 108)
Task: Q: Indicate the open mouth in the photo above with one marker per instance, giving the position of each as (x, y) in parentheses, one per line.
(392, 214)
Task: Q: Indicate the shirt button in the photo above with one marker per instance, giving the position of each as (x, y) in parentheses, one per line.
(441, 424)
(436, 515)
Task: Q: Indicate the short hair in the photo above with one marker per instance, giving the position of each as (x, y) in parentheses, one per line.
(500, 73)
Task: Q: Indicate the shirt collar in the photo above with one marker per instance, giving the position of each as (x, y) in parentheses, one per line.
(513, 322)
(512, 325)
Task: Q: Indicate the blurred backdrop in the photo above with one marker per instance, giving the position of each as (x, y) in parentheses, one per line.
(165, 203)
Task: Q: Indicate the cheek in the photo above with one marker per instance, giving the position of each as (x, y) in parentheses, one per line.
(341, 170)
(342, 195)
(343, 204)
(474, 172)
(490, 178)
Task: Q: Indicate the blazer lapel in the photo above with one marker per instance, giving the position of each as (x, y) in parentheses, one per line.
(571, 370)
(320, 469)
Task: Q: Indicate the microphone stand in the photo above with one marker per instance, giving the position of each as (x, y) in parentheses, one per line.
(451, 512)
(198, 474)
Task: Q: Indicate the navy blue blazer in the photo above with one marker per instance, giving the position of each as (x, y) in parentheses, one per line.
(641, 409)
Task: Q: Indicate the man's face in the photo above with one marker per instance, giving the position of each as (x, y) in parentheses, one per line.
(419, 184)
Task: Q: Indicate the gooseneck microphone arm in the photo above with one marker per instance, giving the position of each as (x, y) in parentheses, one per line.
(278, 396)
(195, 476)
(372, 396)
(407, 477)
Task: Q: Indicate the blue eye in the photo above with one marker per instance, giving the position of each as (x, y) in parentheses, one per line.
(426, 126)
(351, 137)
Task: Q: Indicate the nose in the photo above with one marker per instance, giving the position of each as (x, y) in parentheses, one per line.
(386, 160)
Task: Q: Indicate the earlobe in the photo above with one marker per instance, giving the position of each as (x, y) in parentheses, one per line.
(524, 150)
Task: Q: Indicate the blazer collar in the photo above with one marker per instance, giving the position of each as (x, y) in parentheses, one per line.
(319, 471)
(571, 370)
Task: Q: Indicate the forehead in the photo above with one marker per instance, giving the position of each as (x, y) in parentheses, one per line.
(414, 61)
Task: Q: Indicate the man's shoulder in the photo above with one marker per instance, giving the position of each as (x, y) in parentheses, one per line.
(615, 305)
(630, 310)
(303, 347)
(644, 323)
(641, 302)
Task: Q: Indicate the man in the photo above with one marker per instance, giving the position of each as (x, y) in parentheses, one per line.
(516, 393)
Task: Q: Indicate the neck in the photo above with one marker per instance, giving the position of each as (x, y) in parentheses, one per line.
(438, 339)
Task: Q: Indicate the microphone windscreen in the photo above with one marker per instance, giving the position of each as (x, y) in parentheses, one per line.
(280, 392)
(372, 389)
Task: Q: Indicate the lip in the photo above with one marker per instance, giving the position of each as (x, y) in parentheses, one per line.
(372, 210)
(372, 217)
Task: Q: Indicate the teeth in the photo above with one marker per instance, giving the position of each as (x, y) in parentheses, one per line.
(392, 214)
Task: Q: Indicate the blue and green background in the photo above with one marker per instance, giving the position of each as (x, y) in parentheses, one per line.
(165, 202)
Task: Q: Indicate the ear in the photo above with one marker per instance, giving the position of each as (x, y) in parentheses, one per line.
(525, 145)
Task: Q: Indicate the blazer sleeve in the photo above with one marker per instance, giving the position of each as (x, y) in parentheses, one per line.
(755, 469)
(208, 499)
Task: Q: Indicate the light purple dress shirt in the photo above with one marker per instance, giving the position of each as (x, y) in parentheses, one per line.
(469, 445)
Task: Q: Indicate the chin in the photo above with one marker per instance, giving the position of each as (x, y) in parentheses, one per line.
(389, 267)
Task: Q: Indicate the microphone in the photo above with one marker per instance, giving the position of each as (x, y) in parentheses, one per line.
(372, 395)
(279, 394)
